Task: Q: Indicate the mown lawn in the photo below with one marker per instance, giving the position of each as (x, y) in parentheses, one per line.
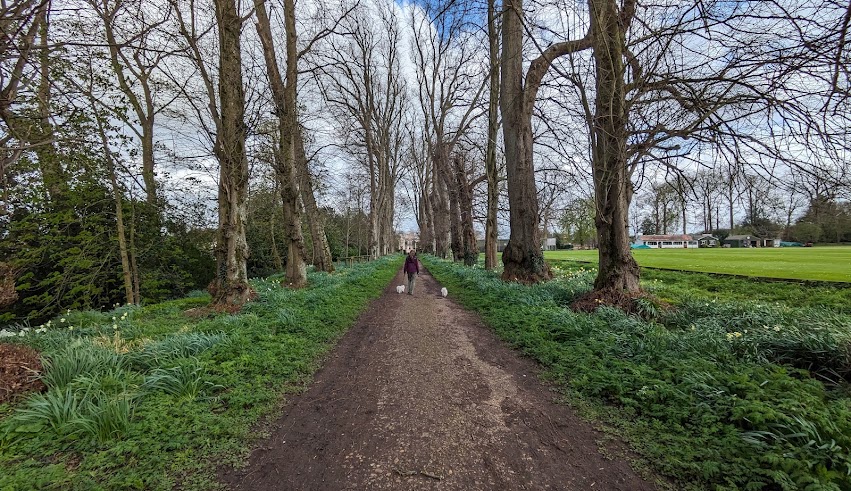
(155, 398)
(829, 263)
(724, 385)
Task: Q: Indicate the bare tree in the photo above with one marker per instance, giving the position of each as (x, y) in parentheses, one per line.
(493, 128)
(522, 258)
(26, 59)
(284, 99)
(657, 98)
(449, 91)
(136, 48)
(361, 79)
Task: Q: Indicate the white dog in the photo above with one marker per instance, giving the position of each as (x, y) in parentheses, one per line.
(400, 289)
(444, 292)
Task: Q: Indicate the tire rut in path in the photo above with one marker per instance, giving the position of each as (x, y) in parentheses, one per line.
(420, 395)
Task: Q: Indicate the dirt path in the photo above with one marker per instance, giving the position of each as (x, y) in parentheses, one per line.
(420, 395)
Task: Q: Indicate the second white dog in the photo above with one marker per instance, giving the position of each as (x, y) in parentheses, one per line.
(444, 292)
(400, 289)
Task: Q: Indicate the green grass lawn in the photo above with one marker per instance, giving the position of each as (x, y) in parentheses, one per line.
(798, 263)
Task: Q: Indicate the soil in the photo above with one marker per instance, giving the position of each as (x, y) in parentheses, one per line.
(19, 366)
(419, 394)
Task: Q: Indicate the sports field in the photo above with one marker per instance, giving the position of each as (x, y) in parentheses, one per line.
(799, 263)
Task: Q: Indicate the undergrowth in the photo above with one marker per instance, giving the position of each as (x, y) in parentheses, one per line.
(716, 394)
(152, 398)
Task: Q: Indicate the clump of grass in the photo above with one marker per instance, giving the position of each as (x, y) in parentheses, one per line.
(69, 413)
(58, 409)
(78, 360)
(183, 381)
(107, 417)
(173, 347)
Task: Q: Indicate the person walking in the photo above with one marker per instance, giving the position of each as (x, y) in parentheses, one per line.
(412, 267)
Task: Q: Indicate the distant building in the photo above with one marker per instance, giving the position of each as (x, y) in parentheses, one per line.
(549, 244)
(737, 241)
(775, 242)
(673, 241)
(707, 240)
(408, 241)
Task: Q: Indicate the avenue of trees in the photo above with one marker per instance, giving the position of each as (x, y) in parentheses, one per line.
(150, 148)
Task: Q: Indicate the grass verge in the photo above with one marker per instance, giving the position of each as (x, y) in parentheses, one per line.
(715, 394)
(151, 398)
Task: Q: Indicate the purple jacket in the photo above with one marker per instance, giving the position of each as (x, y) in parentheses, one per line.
(412, 265)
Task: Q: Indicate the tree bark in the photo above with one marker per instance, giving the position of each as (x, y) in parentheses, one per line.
(612, 186)
(490, 153)
(230, 288)
(523, 258)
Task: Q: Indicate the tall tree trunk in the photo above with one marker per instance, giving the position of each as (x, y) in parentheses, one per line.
(36, 132)
(455, 239)
(613, 189)
(276, 255)
(126, 272)
(730, 199)
(426, 223)
(469, 247)
(441, 207)
(42, 133)
(374, 229)
(134, 267)
(284, 98)
(230, 288)
(490, 153)
(148, 164)
(321, 251)
(522, 258)
(390, 241)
